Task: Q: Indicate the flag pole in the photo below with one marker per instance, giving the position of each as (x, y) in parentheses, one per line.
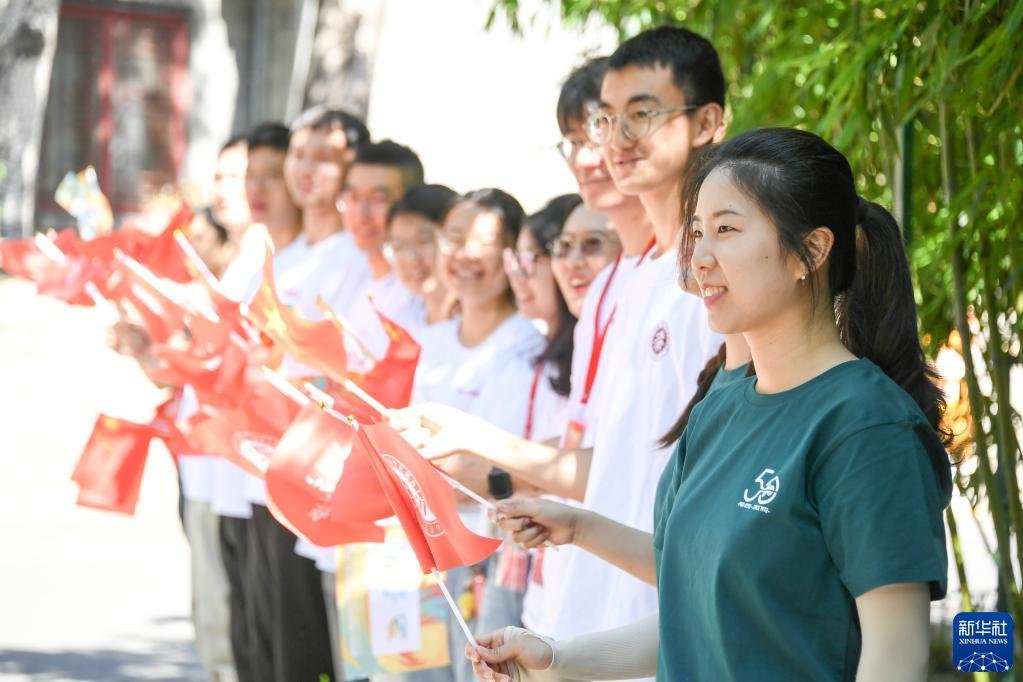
(49, 249)
(454, 609)
(346, 327)
(285, 386)
(196, 262)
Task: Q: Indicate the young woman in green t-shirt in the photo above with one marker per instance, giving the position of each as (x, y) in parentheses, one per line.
(798, 530)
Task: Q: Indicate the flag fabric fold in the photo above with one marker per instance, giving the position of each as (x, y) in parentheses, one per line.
(423, 501)
(312, 456)
(318, 344)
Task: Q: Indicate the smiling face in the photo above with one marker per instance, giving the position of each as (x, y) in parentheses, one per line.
(315, 166)
(747, 281)
(535, 291)
(592, 245)
(656, 160)
(590, 171)
(369, 192)
(470, 255)
(413, 241)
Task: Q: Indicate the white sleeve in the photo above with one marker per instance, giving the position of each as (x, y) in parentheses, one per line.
(627, 652)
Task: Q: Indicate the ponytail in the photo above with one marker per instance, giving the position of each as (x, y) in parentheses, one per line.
(876, 313)
(703, 384)
(802, 183)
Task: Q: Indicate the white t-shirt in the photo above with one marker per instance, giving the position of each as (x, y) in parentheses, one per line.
(332, 268)
(583, 340)
(391, 297)
(661, 343)
(490, 380)
(239, 282)
(197, 471)
(542, 601)
(400, 305)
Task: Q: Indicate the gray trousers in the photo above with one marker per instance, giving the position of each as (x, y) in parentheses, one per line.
(210, 613)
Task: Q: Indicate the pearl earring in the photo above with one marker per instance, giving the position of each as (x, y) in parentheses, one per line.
(803, 278)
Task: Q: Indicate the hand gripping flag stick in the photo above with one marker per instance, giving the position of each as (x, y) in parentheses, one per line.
(372, 402)
(325, 401)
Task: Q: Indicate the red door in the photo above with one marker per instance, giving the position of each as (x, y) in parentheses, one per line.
(119, 98)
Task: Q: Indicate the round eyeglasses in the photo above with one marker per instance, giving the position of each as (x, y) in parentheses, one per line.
(588, 246)
(634, 124)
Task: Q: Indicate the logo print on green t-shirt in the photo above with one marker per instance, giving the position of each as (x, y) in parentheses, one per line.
(768, 490)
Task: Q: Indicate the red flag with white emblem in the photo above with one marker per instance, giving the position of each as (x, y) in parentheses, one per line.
(423, 501)
(312, 456)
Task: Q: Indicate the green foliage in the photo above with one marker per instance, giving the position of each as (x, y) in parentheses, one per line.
(926, 100)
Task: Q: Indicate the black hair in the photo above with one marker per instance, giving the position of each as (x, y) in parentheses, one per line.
(392, 155)
(322, 118)
(429, 201)
(506, 207)
(695, 67)
(233, 141)
(218, 227)
(271, 135)
(545, 225)
(580, 90)
(801, 183)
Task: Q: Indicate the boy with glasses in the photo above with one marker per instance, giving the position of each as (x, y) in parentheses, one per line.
(661, 339)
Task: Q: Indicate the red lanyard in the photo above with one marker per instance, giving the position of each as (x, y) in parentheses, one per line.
(600, 334)
(537, 374)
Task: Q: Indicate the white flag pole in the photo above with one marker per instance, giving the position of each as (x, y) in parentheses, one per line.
(454, 609)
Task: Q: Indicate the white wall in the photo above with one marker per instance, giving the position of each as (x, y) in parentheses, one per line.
(477, 106)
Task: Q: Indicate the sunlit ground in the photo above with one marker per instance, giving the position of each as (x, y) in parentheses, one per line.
(84, 595)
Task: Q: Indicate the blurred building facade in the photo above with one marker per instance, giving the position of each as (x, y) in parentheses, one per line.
(147, 91)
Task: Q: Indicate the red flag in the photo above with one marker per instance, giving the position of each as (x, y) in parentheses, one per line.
(109, 471)
(245, 434)
(159, 305)
(162, 254)
(390, 379)
(310, 459)
(422, 500)
(165, 426)
(67, 281)
(21, 258)
(319, 344)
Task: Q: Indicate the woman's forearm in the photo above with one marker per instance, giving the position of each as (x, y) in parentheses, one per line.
(628, 548)
(558, 472)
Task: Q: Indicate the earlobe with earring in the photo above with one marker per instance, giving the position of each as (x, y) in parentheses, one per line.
(803, 278)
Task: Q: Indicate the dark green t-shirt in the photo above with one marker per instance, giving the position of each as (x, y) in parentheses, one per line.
(723, 378)
(779, 510)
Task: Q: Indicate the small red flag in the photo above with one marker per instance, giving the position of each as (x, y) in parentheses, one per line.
(313, 455)
(22, 258)
(162, 254)
(319, 344)
(158, 304)
(109, 471)
(422, 500)
(390, 380)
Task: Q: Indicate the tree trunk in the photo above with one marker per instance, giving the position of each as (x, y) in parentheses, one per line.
(28, 38)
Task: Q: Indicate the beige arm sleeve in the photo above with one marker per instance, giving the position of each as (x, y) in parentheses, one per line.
(628, 652)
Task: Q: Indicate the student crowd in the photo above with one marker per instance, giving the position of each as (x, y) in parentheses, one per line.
(700, 375)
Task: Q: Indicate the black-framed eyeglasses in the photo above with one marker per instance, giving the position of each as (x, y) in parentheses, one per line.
(589, 245)
(634, 124)
(521, 263)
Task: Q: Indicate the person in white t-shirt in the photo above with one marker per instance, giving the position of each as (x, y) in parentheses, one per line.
(480, 361)
(661, 98)
(290, 625)
(274, 217)
(412, 227)
(379, 176)
(539, 298)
